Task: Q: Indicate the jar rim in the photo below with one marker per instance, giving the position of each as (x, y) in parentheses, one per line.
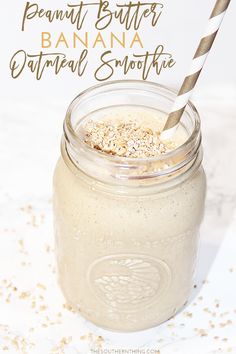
(72, 137)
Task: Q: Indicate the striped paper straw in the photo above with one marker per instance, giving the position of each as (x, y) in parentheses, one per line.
(196, 68)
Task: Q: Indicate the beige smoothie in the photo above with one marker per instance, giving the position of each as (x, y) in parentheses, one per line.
(126, 248)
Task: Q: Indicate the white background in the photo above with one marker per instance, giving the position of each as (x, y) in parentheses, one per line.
(181, 25)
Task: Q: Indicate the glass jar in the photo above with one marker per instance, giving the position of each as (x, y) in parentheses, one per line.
(126, 230)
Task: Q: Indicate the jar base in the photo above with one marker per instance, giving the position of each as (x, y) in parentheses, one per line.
(119, 330)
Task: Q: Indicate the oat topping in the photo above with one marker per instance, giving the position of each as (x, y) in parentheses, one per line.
(125, 139)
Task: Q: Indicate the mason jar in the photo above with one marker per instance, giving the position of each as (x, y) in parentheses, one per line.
(127, 230)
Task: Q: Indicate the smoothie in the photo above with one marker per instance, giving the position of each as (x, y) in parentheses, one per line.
(126, 242)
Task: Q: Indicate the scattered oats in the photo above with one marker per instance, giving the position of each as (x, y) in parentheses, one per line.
(66, 340)
(93, 339)
(212, 325)
(42, 307)
(231, 270)
(59, 349)
(99, 341)
(48, 248)
(227, 323)
(8, 299)
(225, 339)
(202, 332)
(69, 308)
(41, 286)
(23, 263)
(84, 337)
(206, 310)
(188, 314)
(20, 343)
(21, 243)
(33, 220)
(171, 325)
(27, 209)
(24, 295)
(125, 139)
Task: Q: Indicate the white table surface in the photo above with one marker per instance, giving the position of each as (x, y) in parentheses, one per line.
(33, 318)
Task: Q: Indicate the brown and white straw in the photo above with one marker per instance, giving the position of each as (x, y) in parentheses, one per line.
(198, 61)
